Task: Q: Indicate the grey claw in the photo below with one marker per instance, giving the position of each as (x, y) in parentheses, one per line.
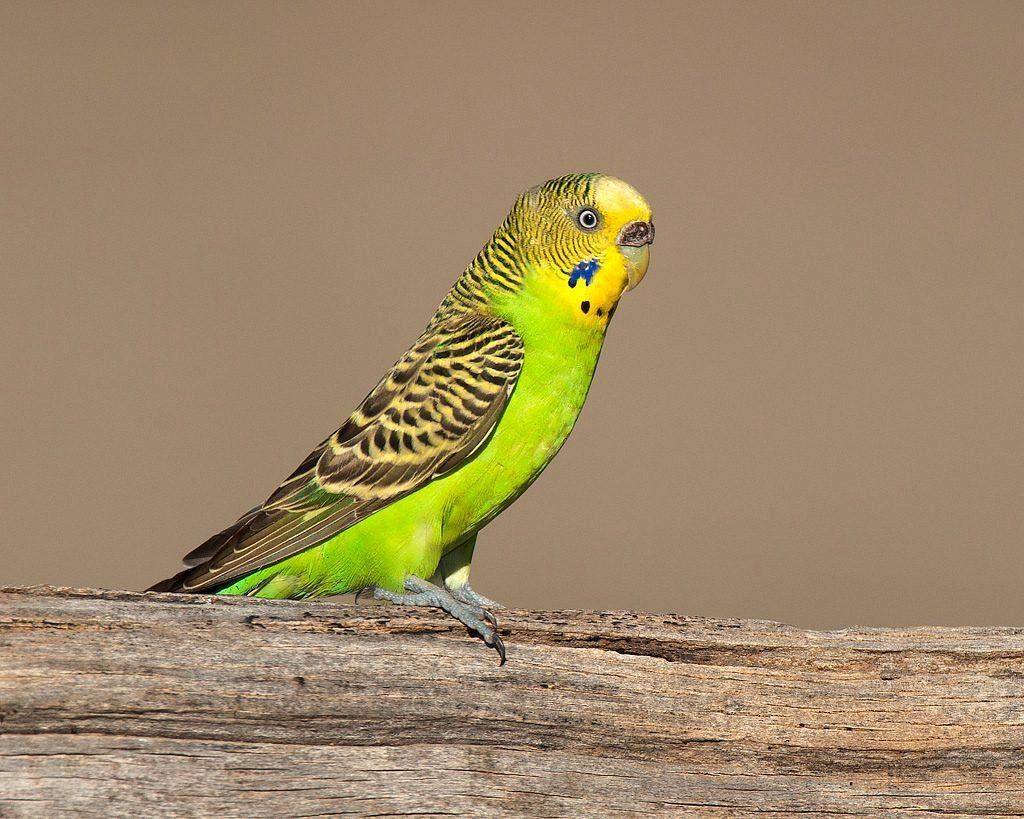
(360, 592)
(489, 617)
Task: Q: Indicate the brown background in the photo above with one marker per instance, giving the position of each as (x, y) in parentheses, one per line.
(221, 222)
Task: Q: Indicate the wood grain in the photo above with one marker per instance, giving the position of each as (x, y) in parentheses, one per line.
(120, 703)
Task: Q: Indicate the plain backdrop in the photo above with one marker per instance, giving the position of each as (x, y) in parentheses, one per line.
(221, 222)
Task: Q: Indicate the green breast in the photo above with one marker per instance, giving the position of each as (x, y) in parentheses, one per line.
(558, 367)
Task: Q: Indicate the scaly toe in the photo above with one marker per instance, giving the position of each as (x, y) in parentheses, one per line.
(466, 594)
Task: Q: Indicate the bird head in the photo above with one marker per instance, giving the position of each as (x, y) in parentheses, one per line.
(586, 237)
(577, 241)
(587, 217)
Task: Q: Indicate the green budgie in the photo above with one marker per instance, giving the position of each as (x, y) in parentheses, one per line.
(465, 421)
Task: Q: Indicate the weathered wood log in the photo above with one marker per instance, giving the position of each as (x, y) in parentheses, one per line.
(118, 703)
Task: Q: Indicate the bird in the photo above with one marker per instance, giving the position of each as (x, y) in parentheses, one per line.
(392, 502)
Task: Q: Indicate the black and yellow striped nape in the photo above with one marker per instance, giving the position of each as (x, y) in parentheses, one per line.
(538, 229)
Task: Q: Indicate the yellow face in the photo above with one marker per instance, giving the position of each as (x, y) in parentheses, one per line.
(588, 236)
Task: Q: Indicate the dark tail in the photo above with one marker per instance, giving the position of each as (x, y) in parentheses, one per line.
(171, 584)
(204, 552)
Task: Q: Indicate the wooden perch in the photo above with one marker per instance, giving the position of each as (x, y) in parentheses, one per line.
(117, 703)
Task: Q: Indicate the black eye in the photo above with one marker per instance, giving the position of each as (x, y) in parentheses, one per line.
(588, 219)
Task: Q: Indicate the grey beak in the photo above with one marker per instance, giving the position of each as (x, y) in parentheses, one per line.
(636, 234)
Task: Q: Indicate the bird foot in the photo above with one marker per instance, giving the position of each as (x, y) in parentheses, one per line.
(465, 594)
(472, 615)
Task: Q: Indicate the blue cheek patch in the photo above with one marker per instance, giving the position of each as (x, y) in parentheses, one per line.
(585, 271)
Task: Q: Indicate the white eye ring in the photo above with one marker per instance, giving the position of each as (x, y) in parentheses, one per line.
(588, 219)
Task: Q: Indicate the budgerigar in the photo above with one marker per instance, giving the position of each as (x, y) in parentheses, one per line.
(458, 428)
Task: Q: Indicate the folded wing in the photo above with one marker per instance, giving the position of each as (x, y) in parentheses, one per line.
(431, 412)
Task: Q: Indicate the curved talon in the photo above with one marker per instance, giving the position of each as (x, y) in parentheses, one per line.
(500, 646)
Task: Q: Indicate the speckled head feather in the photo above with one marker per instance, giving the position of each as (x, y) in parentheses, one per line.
(543, 231)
